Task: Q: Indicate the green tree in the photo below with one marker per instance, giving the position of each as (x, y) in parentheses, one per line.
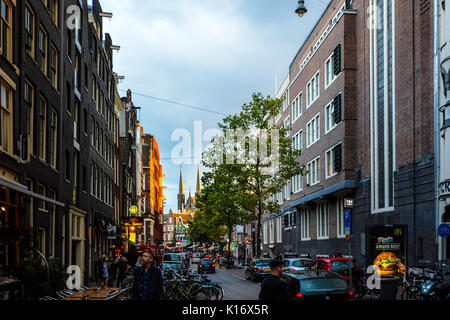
(248, 165)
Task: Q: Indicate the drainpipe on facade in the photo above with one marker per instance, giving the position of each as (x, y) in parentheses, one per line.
(437, 155)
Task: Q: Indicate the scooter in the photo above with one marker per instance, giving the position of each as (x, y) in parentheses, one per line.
(437, 288)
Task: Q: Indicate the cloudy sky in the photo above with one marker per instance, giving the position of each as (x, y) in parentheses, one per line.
(211, 54)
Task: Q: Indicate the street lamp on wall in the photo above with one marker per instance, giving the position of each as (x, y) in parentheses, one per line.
(301, 9)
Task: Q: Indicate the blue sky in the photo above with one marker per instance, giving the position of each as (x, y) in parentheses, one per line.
(211, 54)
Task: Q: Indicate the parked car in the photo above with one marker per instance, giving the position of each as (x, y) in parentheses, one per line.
(176, 266)
(297, 264)
(257, 269)
(338, 265)
(319, 285)
(206, 265)
(173, 257)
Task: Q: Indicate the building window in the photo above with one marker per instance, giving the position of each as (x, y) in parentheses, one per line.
(297, 107)
(43, 50)
(340, 222)
(304, 224)
(297, 141)
(322, 221)
(333, 161)
(51, 229)
(271, 231)
(42, 112)
(41, 203)
(287, 190)
(29, 30)
(290, 219)
(287, 124)
(313, 130)
(92, 178)
(68, 98)
(279, 230)
(52, 133)
(285, 100)
(54, 11)
(382, 108)
(265, 232)
(29, 111)
(67, 166)
(69, 44)
(333, 113)
(312, 90)
(297, 183)
(77, 72)
(333, 66)
(6, 30)
(313, 175)
(92, 131)
(54, 67)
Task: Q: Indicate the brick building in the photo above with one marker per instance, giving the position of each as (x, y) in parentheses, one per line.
(359, 105)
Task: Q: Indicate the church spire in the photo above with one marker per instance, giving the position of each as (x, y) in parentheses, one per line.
(181, 188)
(199, 186)
(181, 197)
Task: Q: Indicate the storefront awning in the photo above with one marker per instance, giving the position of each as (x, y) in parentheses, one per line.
(130, 242)
(5, 182)
(346, 184)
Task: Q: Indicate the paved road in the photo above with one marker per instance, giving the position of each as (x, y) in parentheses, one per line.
(235, 288)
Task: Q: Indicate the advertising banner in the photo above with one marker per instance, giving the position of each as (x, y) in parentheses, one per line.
(386, 248)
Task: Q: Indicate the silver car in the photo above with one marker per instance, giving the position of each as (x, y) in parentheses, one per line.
(297, 264)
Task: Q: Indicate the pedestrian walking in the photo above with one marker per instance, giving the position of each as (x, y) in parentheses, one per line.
(121, 269)
(338, 254)
(105, 272)
(272, 287)
(148, 281)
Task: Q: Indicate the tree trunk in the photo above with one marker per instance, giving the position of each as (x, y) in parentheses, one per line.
(258, 226)
(229, 238)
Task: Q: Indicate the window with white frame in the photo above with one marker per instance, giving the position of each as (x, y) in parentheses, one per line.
(304, 225)
(333, 113)
(312, 90)
(285, 100)
(313, 175)
(290, 219)
(280, 197)
(279, 230)
(297, 183)
(333, 66)
(333, 161)
(313, 130)
(297, 141)
(340, 222)
(287, 190)
(265, 232)
(322, 221)
(271, 231)
(297, 107)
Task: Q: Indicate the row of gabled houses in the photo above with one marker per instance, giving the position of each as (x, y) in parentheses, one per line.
(73, 157)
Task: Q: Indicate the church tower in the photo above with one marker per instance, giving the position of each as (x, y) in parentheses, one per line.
(181, 197)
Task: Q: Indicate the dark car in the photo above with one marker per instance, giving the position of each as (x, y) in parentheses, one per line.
(206, 265)
(338, 265)
(319, 285)
(257, 269)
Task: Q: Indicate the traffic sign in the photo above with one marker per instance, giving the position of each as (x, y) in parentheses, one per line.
(444, 230)
(133, 210)
(347, 221)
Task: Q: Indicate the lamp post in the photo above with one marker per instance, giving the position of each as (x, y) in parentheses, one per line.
(301, 9)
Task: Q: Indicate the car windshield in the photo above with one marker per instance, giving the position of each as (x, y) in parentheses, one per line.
(176, 266)
(172, 257)
(323, 284)
(262, 262)
(301, 263)
(340, 266)
(208, 262)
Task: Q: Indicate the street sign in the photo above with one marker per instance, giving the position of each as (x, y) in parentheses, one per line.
(133, 210)
(347, 221)
(444, 230)
(349, 203)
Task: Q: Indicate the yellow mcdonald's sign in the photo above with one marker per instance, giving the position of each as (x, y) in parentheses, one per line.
(398, 232)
